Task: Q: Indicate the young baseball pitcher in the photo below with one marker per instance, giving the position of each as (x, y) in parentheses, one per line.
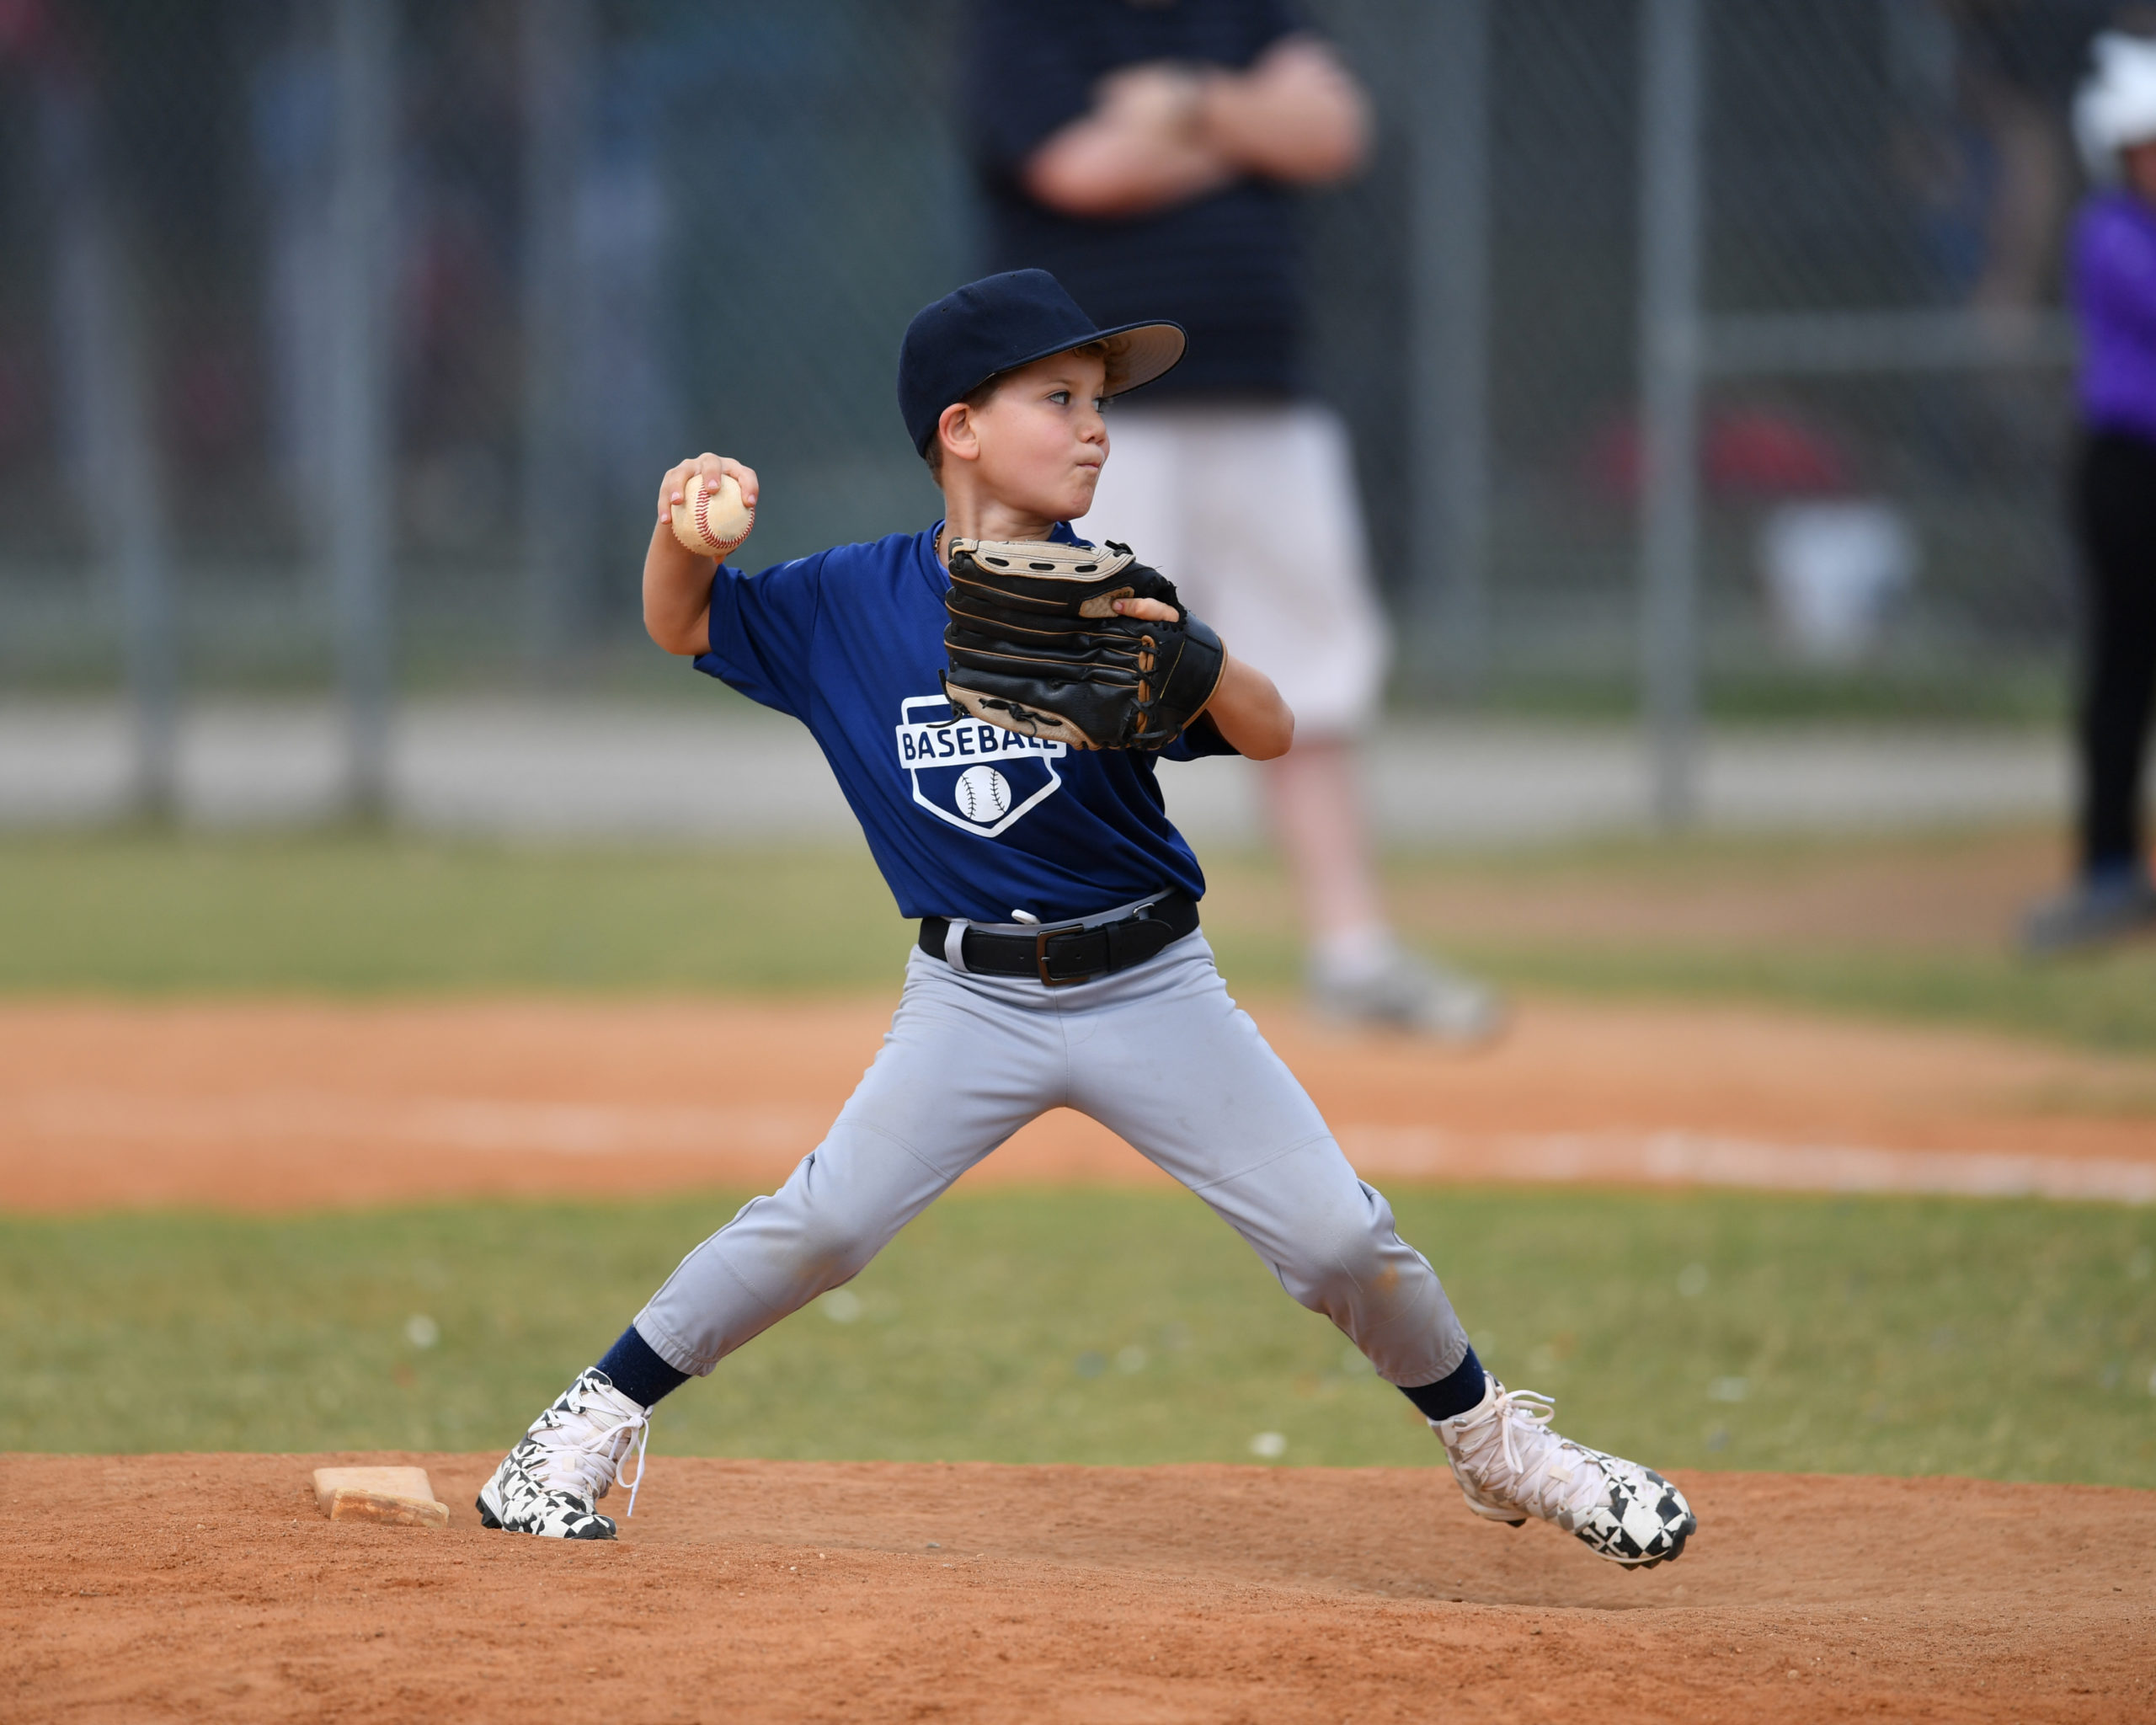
(993, 696)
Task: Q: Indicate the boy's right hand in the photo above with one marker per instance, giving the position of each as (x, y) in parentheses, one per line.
(677, 581)
(674, 488)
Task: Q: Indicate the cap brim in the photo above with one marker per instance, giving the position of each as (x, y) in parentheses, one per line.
(1137, 353)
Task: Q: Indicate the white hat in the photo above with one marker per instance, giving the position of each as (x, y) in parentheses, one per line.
(2117, 108)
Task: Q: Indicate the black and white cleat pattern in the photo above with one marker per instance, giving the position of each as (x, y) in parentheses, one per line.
(549, 1484)
(1511, 1466)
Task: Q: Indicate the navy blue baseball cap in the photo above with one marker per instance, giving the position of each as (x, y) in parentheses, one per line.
(1002, 321)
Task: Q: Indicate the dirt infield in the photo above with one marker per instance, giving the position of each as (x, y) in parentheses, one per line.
(276, 1105)
(208, 1587)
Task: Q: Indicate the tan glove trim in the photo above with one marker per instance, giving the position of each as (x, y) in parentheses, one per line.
(1045, 560)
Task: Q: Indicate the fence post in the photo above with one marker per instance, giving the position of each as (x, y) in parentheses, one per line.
(1449, 424)
(557, 44)
(1672, 55)
(117, 470)
(361, 491)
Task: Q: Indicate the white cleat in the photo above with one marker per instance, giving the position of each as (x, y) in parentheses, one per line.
(1511, 1466)
(549, 1483)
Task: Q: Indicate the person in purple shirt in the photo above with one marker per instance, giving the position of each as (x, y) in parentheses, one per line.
(2114, 288)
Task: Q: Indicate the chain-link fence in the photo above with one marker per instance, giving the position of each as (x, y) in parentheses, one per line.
(1878, 364)
(342, 341)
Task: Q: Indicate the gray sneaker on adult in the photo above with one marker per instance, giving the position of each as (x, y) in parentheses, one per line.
(2091, 913)
(1511, 1466)
(1404, 992)
(550, 1482)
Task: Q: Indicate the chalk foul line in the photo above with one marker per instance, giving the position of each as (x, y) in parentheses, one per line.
(1674, 1157)
(1682, 1158)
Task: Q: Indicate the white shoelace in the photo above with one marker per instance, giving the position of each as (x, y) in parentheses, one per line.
(593, 1461)
(1539, 1488)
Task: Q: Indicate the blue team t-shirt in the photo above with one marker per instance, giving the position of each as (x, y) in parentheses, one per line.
(964, 820)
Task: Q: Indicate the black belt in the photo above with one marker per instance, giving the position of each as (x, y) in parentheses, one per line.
(1059, 954)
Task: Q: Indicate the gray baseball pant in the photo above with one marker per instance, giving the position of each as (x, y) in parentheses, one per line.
(1159, 1055)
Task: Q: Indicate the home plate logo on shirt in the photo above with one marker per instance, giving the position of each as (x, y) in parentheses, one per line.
(973, 775)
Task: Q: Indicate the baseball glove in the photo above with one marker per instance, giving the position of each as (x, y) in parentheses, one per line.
(1037, 646)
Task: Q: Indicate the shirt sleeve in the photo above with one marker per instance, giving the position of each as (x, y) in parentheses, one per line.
(1028, 75)
(761, 630)
(2115, 275)
(1201, 737)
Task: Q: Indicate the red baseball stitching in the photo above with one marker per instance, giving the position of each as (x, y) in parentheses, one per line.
(719, 547)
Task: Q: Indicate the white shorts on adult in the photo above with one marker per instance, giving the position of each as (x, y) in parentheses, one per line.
(1251, 510)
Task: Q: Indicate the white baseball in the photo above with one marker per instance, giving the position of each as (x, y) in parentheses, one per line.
(712, 520)
(983, 795)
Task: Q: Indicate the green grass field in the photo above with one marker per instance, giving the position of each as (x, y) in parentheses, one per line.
(356, 913)
(2016, 1341)
(2010, 1339)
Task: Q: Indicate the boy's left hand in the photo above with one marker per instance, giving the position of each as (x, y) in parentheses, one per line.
(1148, 610)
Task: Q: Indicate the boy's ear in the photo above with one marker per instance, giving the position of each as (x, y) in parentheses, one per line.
(955, 428)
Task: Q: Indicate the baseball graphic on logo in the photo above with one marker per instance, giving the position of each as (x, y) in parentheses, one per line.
(983, 795)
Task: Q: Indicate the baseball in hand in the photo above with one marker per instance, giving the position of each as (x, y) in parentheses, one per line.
(712, 520)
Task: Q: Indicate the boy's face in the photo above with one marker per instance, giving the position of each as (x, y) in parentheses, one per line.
(1042, 437)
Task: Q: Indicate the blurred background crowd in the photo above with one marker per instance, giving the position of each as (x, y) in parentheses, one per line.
(340, 339)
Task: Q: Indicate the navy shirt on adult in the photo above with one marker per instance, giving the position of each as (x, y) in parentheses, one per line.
(1226, 267)
(964, 820)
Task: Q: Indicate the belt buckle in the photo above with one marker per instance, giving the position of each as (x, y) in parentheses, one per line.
(1040, 956)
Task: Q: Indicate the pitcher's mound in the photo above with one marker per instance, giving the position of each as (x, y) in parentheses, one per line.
(211, 1587)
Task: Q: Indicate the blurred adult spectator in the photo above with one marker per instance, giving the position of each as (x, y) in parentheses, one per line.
(1145, 152)
(2113, 285)
(460, 370)
(1986, 82)
(36, 79)
(625, 235)
(2018, 62)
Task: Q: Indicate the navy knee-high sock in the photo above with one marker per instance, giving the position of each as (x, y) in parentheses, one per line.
(637, 1372)
(1452, 1395)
